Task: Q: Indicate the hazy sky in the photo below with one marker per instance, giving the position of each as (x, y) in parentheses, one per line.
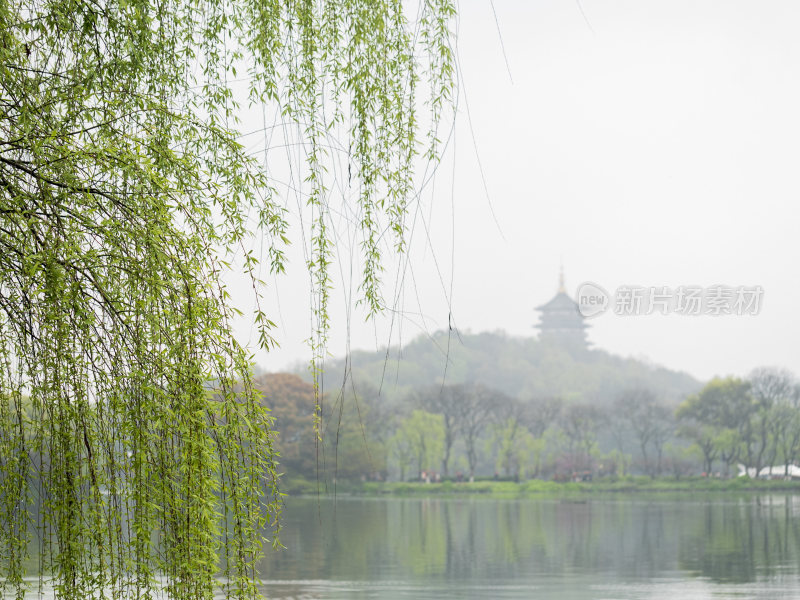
(639, 143)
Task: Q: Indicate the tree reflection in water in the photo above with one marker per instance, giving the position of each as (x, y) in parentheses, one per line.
(725, 539)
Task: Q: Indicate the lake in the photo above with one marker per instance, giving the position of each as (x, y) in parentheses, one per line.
(689, 547)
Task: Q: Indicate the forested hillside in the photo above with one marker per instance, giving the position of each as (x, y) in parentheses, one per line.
(520, 367)
(522, 408)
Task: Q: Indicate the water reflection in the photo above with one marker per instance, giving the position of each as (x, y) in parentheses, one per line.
(571, 549)
(742, 542)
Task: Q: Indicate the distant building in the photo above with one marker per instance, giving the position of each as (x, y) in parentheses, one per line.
(560, 320)
(775, 472)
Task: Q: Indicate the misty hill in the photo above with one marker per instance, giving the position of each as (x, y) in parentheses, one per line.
(521, 367)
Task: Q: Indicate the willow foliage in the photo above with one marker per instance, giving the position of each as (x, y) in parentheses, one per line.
(135, 458)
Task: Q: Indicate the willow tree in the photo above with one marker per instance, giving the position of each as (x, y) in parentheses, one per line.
(135, 457)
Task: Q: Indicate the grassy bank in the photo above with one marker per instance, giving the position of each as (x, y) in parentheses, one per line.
(538, 488)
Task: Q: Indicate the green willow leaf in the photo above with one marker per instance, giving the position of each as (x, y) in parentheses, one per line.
(135, 455)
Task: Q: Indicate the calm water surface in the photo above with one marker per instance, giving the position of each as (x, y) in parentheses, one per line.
(694, 547)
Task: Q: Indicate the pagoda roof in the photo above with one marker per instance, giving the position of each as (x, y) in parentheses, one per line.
(560, 302)
(561, 314)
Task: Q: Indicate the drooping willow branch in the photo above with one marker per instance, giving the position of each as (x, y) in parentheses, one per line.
(135, 457)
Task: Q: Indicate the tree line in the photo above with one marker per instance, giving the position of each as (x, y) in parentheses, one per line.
(463, 431)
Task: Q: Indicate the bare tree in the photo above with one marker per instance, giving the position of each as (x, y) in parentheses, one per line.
(477, 408)
(664, 429)
(508, 431)
(771, 390)
(649, 420)
(580, 424)
(540, 413)
(445, 400)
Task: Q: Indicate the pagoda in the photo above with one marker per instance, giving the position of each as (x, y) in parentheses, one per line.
(561, 320)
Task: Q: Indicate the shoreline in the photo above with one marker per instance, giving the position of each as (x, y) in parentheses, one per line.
(536, 488)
